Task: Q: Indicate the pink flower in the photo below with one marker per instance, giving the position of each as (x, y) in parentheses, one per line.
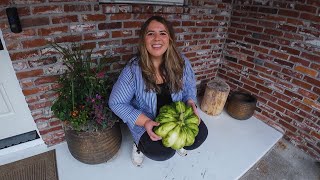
(100, 75)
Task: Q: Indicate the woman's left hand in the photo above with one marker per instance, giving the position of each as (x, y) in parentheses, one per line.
(194, 108)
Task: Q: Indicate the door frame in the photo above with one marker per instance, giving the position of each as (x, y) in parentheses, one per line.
(24, 145)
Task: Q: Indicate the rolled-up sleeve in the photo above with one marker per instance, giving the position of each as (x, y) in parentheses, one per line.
(121, 96)
(189, 86)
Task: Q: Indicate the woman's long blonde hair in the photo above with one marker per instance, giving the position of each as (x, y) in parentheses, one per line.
(172, 67)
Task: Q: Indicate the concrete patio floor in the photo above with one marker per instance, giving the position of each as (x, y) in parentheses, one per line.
(284, 161)
(231, 149)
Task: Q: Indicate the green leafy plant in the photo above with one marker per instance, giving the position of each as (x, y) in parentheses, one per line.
(84, 89)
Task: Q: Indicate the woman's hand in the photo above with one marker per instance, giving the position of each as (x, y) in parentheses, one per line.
(149, 124)
(194, 108)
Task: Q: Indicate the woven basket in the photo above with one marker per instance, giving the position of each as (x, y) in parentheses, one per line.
(94, 147)
(241, 106)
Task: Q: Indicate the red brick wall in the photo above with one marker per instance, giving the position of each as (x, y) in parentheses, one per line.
(111, 29)
(273, 52)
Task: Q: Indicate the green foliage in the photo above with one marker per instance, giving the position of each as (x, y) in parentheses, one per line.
(84, 90)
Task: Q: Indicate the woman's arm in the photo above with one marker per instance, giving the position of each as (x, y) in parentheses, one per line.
(121, 96)
(189, 91)
(119, 102)
(189, 87)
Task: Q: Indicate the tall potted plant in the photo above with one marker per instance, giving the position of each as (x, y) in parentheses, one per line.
(92, 132)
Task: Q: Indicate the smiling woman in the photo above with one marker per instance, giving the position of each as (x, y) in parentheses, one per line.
(159, 75)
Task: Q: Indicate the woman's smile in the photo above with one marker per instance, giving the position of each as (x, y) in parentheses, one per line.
(157, 46)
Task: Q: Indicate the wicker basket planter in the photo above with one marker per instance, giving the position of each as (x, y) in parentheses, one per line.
(94, 147)
(241, 106)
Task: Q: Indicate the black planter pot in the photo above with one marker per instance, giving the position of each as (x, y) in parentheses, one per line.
(241, 105)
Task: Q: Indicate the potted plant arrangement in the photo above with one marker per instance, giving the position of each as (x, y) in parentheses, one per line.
(91, 129)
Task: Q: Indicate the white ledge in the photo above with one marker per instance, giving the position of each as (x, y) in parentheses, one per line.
(232, 148)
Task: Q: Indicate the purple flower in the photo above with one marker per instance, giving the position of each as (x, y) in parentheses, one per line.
(98, 96)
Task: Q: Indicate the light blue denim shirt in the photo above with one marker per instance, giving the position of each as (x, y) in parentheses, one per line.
(129, 98)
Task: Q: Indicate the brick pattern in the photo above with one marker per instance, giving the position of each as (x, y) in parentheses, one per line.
(269, 48)
(273, 52)
(112, 29)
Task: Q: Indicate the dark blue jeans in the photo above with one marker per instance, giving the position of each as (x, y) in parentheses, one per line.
(156, 151)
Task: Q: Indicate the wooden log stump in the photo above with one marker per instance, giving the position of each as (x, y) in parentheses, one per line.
(215, 97)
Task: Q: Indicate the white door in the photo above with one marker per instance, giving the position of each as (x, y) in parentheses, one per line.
(15, 116)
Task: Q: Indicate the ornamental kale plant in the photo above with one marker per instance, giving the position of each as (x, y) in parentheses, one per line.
(84, 89)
